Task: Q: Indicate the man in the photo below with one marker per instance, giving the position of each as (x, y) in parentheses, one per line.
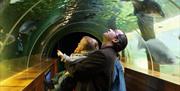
(95, 72)
(85, 46)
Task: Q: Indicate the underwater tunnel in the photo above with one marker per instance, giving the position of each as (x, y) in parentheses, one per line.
(31, 31)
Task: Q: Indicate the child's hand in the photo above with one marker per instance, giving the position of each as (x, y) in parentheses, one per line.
(59, 53)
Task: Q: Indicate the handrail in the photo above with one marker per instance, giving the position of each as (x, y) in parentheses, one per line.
(154, 74)
(22, 80)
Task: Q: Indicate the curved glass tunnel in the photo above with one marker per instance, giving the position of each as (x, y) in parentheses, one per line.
(32, 30)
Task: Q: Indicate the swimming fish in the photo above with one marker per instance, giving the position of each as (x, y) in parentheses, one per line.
(159, 52)
(27, 27)
(147, 7)
(15, 1)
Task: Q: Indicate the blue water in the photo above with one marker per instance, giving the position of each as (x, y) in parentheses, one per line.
(172, 41)
(169, 38)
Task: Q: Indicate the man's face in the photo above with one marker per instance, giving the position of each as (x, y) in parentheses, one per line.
(109, 35)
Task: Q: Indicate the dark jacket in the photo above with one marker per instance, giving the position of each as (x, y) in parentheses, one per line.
(95, 72)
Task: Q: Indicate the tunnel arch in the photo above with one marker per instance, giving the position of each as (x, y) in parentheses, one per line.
(51, 37)
(73, 37)
(69, 42)
(44, 44)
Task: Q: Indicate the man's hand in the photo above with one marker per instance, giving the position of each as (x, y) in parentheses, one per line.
(59, 53)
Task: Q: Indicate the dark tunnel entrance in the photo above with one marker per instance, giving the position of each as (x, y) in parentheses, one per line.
(69, 42)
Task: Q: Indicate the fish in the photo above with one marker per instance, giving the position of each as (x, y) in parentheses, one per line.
(89, 15)
(147, 7)
(158, 50)
(27, 27)
(15, 1)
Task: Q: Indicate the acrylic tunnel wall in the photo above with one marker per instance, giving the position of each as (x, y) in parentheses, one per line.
(32, 30)
(29, 38)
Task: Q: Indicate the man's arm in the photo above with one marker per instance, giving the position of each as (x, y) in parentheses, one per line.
(91, 65)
